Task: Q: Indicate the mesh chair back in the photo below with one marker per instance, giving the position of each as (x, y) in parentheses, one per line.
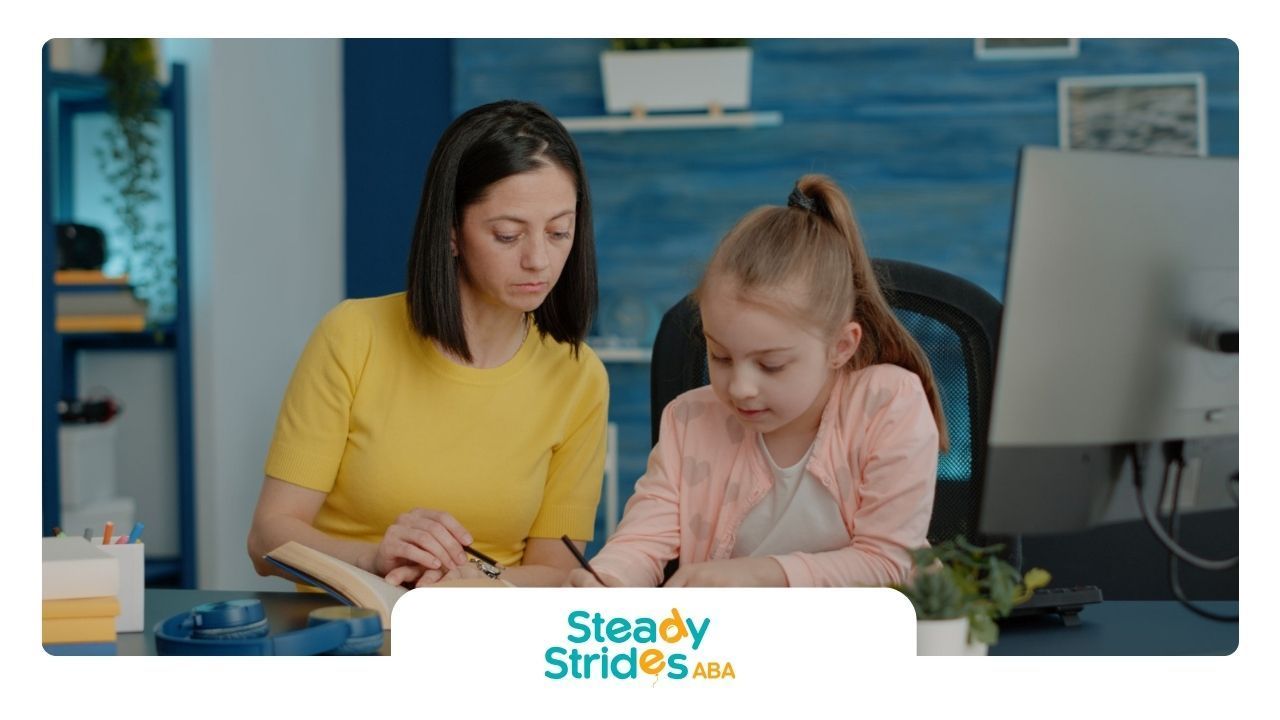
(956, 323)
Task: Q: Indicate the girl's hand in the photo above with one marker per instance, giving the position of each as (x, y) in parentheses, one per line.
(738, 572)
(422, 544)
(582, 578)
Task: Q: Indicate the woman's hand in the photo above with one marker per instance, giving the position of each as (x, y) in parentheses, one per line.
(738, 572)
(582, 578)
(422, 546)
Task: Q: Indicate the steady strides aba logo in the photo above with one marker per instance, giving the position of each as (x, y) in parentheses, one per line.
(599, 648)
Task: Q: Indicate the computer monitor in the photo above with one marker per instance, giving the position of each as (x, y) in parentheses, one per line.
(1119, 327)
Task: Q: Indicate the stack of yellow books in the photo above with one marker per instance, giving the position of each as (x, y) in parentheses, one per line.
(88, 301)
(80, 592)
(80, 626)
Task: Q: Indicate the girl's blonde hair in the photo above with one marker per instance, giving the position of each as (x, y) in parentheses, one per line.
(815, 242)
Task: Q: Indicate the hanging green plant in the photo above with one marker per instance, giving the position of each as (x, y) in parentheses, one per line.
(128, 161)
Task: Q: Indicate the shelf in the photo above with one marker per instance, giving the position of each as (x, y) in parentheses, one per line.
(156, 336)
(89, 92)
(682, 121)
(65, 97)
(622, 354)
(77, 86)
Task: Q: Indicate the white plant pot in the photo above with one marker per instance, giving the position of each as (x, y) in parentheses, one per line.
(975, 649)
(665, 80)
(76, 55)
(85, 55)
(942, 637)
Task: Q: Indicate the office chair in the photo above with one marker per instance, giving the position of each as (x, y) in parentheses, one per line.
(955, 322)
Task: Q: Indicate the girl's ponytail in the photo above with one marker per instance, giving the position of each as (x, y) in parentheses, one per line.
(884, 339)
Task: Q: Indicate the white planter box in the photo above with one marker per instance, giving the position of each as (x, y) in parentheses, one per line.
(666, 80)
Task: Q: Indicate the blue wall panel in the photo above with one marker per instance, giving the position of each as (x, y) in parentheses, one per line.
(395, 106)
(921, 134)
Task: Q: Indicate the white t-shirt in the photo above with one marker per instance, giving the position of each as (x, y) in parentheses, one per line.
(797, 515)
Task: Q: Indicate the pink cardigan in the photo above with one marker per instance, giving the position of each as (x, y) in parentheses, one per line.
(876, 451)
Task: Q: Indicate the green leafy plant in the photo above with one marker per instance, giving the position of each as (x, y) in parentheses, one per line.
(128, 161)
(675, 43)
(959, 579)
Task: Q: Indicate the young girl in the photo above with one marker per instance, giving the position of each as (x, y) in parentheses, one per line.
(811, 457)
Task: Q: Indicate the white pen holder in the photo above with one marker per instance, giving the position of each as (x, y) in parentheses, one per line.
(132, 582)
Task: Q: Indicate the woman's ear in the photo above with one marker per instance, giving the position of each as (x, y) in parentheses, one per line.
(453, 242)
(848, 338)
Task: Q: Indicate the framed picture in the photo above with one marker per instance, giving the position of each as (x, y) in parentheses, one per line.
(1160, 114)
(1025, 48)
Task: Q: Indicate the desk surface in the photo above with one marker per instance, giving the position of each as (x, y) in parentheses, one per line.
(1117, 627)
(1108, 628)
(285, 611)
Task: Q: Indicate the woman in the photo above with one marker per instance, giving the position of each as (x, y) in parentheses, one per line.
(465, 411)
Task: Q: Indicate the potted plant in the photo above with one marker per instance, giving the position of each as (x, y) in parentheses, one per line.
(645, 75)
(959, 590)
(128, 160)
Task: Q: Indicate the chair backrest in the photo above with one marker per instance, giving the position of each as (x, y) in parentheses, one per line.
(956, 323)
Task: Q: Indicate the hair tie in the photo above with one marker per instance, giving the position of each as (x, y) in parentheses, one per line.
(798, 199)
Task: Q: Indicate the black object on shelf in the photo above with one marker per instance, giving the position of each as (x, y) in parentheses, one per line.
(80, 247)
(75, 411)
(1067, 602)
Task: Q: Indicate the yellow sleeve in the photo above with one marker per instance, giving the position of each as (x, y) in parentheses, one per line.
(576, 471)
(311, 429)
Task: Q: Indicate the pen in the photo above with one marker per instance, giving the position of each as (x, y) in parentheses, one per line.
(479, 555)
(88, 534)
(581, 560)
(57, 531)
(120, 540)
(106, 532)
(135, 535)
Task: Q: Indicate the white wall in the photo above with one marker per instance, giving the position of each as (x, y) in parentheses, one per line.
(266, 255)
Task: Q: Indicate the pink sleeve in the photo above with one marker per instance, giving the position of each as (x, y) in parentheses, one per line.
(896, 489)
(648, 535)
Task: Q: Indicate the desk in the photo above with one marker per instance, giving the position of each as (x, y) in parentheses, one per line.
(285, 611)
(1112, 627)
(1117, 627)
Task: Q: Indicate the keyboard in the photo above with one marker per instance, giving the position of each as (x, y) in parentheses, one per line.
(1064, 601)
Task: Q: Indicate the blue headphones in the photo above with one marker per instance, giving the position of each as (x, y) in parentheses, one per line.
(239, 627)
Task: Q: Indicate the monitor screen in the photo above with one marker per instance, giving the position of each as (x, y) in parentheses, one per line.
(1120, 326)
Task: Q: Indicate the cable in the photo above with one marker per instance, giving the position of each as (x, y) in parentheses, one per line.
(1162, 536)
(1174, 583)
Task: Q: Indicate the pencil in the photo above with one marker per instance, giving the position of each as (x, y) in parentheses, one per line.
(581, 560)
(479, 555)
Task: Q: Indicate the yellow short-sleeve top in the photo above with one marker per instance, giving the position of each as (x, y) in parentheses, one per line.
(375, 416)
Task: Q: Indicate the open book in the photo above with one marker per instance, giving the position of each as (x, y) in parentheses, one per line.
(341, 579)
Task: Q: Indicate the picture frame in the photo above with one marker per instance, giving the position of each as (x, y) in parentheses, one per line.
(1158, 113)
(1025, 48)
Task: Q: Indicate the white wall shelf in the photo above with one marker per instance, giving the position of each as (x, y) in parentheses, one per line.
(620, 354)
(674, 121)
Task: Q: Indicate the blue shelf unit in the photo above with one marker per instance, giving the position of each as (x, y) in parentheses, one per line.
(66, 95)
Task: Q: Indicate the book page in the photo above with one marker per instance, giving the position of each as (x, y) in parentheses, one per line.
(350, 583)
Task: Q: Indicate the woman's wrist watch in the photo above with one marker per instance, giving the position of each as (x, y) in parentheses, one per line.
(492, 571)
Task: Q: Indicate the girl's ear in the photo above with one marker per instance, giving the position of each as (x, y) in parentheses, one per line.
(453, 242)
(848, 338)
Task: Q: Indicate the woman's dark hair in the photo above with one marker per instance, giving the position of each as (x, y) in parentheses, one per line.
(483, 146)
